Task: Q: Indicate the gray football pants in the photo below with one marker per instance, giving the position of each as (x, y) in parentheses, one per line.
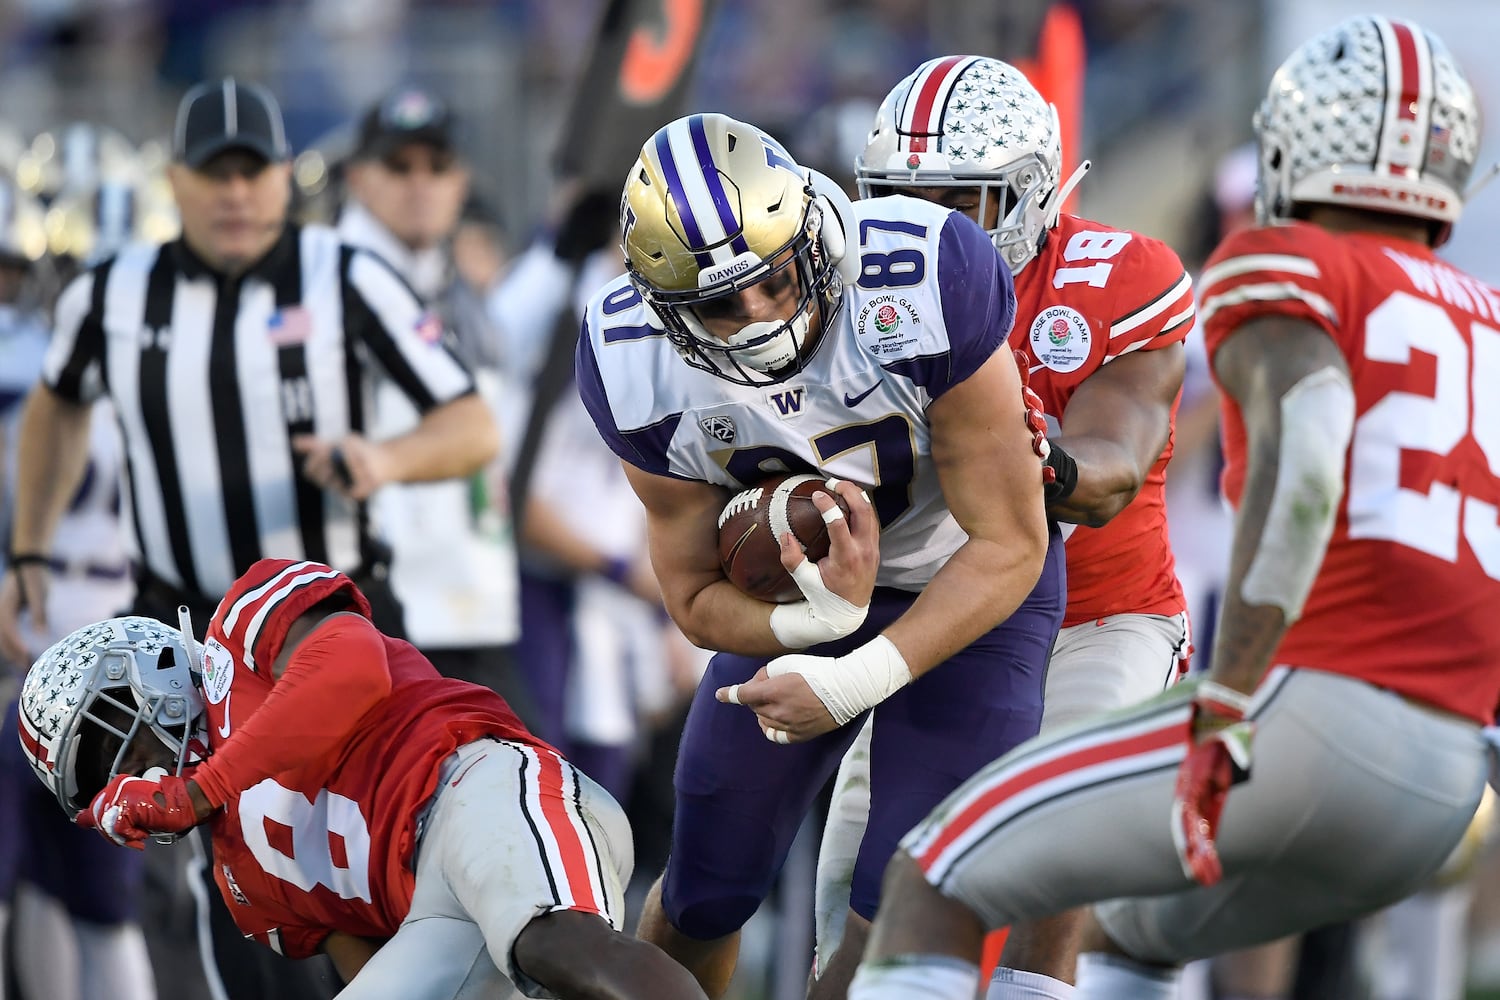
(1356, 797)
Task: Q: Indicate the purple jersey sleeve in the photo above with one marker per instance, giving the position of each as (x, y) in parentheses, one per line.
(979, 307)
(643, 447)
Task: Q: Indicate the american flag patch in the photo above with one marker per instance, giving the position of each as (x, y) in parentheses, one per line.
(1438, 143)
(430, 327)
(289, 327)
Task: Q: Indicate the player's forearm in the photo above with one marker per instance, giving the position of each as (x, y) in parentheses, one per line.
(1245, 643)
(1298, 408)
(455, 439)
(50, 462)
(980, 586)
(1109, 477)
(721, 618)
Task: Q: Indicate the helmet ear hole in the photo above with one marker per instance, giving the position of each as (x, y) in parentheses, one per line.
(837, 213)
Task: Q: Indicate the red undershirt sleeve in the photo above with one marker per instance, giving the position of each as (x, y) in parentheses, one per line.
(337, 674)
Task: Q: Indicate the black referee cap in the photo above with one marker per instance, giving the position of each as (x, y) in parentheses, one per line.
(227, 114)
(410, 114)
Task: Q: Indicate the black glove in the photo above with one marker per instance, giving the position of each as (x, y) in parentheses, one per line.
(1064, 478)
(589, 225)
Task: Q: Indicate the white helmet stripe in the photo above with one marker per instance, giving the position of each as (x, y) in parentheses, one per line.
(1408, 106)
(922, 114)
(694, 187)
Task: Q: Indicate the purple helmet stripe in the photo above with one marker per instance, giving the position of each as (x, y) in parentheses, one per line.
(716, 185)
(679, 198)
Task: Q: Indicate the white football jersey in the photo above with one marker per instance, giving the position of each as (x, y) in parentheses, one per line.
(932, 304)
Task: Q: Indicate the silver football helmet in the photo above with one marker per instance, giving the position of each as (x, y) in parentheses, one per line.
(1373, 114)
(714, 205)
(116, 676)
(969, 121)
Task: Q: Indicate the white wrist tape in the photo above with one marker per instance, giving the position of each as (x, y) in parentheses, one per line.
(1317, 421)
(1213, 692)
(848, 685)
(823, 617)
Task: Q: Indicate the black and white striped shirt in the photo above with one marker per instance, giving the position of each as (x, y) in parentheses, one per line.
(212, 377)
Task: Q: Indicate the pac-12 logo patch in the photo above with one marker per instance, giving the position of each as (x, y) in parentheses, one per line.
(218, 671)
(1060, 338)
(719, 427)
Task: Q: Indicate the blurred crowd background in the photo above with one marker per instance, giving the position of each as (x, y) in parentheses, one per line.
(1169, 90)
(1169, 80)
(1170, 85)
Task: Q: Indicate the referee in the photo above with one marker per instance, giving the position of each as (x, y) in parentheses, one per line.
(240, 360)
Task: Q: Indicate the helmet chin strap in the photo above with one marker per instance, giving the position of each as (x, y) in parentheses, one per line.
(1064, 190)
(1482, 181)
(837, 221)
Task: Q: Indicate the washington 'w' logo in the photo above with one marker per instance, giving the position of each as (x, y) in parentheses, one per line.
(788, 403)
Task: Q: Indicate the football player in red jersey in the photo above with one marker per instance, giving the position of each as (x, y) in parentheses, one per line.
(1101, 314)
(359, 803)
(1356, 654)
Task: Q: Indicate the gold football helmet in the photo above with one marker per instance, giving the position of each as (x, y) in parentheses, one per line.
(713, 206)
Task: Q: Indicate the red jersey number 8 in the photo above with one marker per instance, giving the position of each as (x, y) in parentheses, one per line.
(313, 825)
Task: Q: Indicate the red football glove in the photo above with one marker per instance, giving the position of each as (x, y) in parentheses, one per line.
(130, 809)
(1218, 760)
(1036, 419)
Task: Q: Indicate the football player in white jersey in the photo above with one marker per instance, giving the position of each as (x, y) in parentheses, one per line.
(765, 325)
(1356, 663)
(1101, 316)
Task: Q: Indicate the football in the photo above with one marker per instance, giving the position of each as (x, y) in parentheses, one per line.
(755, 518)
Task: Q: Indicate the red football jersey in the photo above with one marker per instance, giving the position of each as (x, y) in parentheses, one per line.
(1092, 294)
(327, 846)
(1407, 592)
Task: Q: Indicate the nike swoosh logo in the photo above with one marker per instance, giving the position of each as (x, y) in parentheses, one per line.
(467, 768)
(224, 729)
(856, 400)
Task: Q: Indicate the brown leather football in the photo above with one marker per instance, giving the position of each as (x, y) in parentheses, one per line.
(755, 518)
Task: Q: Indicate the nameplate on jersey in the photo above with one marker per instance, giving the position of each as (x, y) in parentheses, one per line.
(787, 403)
(888, 327)
(719, 427)
(1060, 338)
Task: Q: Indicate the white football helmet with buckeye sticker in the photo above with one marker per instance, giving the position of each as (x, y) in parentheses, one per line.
(967, 121)
(1373, 114)
(113, 677)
